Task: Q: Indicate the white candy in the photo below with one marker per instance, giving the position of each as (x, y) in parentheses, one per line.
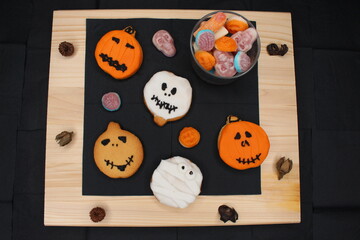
(176, 182)
(221, 32)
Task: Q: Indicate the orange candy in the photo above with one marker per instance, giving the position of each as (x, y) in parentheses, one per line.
(205, 59)
(189, 137)
(234, 25)
(226, 44)
(213, 24)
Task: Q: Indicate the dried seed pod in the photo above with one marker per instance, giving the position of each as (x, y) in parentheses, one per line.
(273, 49)
(97, 214)
(227, 213)
(66, 49)
(64, 138)
(283, 166)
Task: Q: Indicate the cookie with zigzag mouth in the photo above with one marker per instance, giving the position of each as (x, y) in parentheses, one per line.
(242, 144)
(167, 96)
(118, 153)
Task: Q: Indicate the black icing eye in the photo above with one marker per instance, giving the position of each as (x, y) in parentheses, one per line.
(163, 86)
(122, 138)
(105, 142)
(248, 135)
(173, 91)
(115, 39)
(237, 136)
(182, 168)
(128, 45)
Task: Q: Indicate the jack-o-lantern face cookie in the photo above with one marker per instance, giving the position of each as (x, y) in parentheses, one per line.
(119, 54)
(118, 153)
(167, 96)
(242, 144)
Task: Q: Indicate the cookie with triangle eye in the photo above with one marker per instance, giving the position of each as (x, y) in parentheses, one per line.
(242, 144)
(167, 96)
(118, 153)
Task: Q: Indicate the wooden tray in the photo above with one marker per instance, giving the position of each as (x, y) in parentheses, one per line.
(64, 203)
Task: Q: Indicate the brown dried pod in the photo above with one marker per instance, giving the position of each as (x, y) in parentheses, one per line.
(273, 49)
(227, 213)
(66, 49)
(97, 214)
(64, 138)
(283, 166)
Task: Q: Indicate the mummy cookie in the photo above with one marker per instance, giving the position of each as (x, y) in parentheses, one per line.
(167, 96)
(176, 182)
(118, 153)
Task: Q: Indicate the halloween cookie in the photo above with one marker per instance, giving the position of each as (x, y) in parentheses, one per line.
(117, 152)
(242, 144)
(189, 137)
(176, 182)
(167, 96)
(119, 54)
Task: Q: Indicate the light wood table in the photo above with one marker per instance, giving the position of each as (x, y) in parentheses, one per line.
(64, 203)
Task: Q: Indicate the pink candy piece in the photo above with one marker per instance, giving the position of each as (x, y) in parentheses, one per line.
(224, 66)
(205, 39)
(242, 62)
(163, 41)
(245, 39)
(111, 101)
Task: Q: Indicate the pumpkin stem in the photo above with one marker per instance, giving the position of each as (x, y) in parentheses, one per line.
(113, 125)
(232, 118)
(130, 30)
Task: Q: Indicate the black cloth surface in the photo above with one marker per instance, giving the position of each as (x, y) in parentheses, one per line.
(326, 48)
(210, 106)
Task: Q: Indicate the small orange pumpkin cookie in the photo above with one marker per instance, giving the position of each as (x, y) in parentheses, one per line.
(242, 144)
(205, 59)
(226, 44)
(119, 54)
(189, 137)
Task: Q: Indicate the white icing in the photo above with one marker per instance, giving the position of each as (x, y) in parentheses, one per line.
(172, 102)
(176, 182)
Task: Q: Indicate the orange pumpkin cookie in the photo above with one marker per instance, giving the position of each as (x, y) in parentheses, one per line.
(119, 54)
(205, 59)
(189, 137)
(235, 24)
(226, 44)
(242, 144)
(118, 153)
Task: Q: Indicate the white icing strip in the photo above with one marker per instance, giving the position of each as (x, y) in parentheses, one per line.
(176, 182)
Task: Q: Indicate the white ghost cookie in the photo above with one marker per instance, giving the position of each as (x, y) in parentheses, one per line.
(176, 182)
(167, 96)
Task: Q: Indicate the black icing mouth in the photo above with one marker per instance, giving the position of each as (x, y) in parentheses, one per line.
(163, 104)
(120, 167)
(248, 160)
(113, 63)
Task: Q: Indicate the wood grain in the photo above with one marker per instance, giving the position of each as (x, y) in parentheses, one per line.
(64, 203)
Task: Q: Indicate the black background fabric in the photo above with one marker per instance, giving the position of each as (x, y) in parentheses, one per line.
(326, 40)
(211, 105)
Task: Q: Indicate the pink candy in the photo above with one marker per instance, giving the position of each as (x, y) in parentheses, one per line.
(245, 39)
(224, 66)
(163, 41)
(242, 62)
(205, 39)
